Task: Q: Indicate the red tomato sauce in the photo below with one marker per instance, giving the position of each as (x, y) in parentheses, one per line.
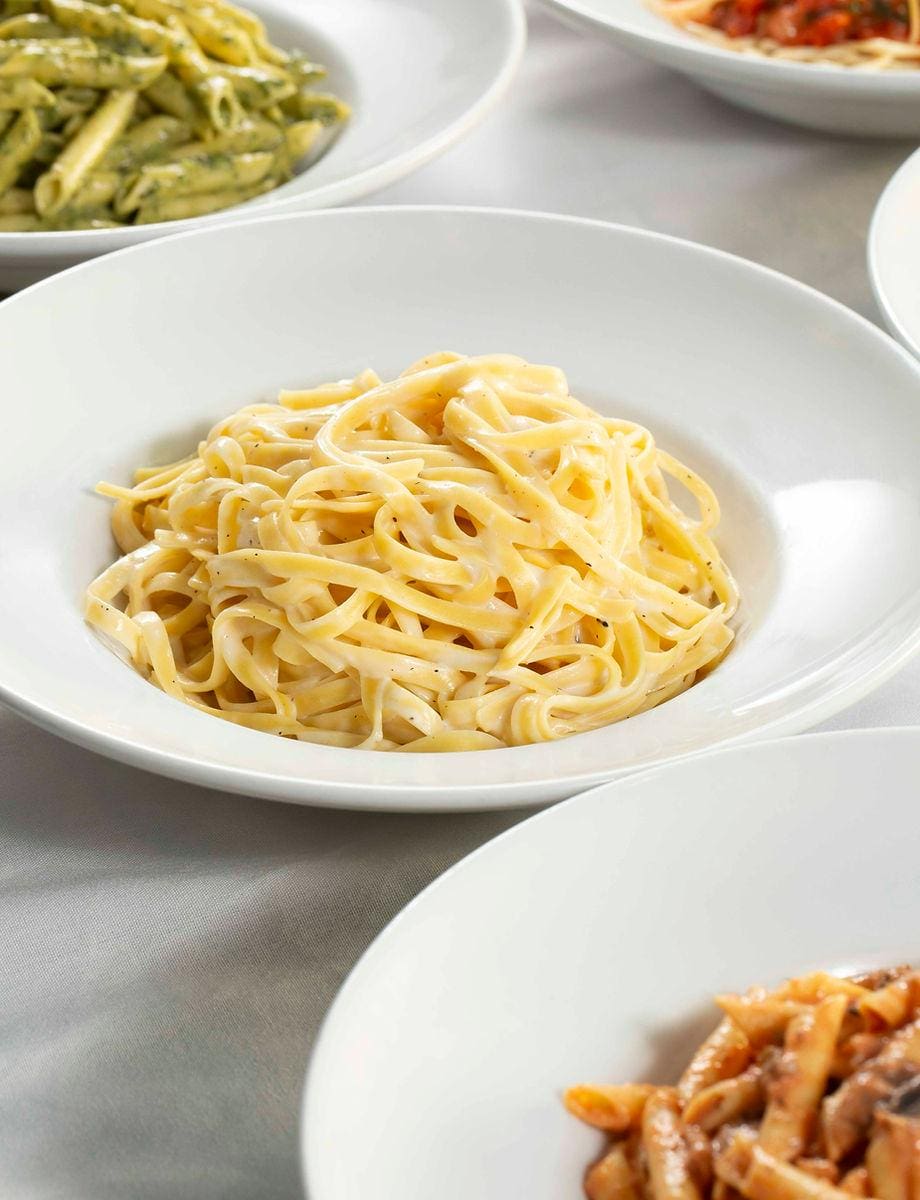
(812, 22)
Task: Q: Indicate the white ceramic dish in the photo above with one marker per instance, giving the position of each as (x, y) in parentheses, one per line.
(833, 99)
(803, 416)
(419, 75)
(585, 945)
(894, 253)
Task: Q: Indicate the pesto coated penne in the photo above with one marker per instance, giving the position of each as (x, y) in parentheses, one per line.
(111, 22)
(82, 218)
(251, 135)
(170, 95)
(259, 87)
(24, 93)
(71, 100)
(216, 36)
(102, 129)
(16, 201)
(87, 66)
(214, 92)
(73, 125)
(13, 8)
(20, 223)
(146, 141)
(179, 208)
(67, 44)
(306, 72)
(301, 137)
(250, 24)
(29, 25)
(115, 111)
(194, 176)
(319, 106)
(49, 148)
(98, 189)
(17, 146)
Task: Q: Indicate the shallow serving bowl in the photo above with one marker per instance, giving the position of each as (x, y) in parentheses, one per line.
(585, 945)
(804, 417)
(894, 253)
(419, 74)
(834, 99)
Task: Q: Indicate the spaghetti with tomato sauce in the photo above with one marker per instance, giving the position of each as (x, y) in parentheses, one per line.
(880, 34)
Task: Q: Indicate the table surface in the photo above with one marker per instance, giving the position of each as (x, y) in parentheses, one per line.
(168, 951)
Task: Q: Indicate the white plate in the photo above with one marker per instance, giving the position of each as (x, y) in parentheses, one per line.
(894, 253)
(419, 75)
(834, 99)
(585, 945)
(803, 416)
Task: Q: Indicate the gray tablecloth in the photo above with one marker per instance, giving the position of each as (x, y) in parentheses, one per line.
(167, 952)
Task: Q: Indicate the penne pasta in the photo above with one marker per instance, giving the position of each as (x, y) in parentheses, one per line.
(17, 146)
(17, 201)
(893, 1158)
(24, 93)
(615, 1109)
(301, 137)
(890, 1006)
(171, 96)
(150, 139)
(725, 1052)
(56, 187)
(226, 112)
(14, 8)
(97, 190)
(727, 1101)
(20, 223)
(259, 87)
(798, 1086)
(856, 1182)
(614, 1177)
(110, 22)
(761, 1019)
(83, 67)
(29, 25)
(218, 37)
(769, 1178)
(194, 177)
(827, 1115)
(215, 93)
(665, 1149)
(183, 207)
(251, 135)
(319, 106)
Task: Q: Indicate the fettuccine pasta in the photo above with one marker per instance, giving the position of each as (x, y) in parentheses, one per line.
(462, 558)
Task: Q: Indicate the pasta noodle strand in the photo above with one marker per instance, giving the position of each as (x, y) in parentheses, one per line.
(463, 557)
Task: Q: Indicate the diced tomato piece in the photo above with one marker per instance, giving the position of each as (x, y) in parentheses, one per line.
(810, 22)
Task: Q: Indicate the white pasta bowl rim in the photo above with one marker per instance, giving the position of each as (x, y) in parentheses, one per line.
(895, 308)
(681, 49)
(478, 787)
(298, 193)
(501, 982)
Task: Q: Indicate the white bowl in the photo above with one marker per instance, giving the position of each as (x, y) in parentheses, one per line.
(894, 253)
(585, 945)
(803, 416)
(830, 98)
(419, 75)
